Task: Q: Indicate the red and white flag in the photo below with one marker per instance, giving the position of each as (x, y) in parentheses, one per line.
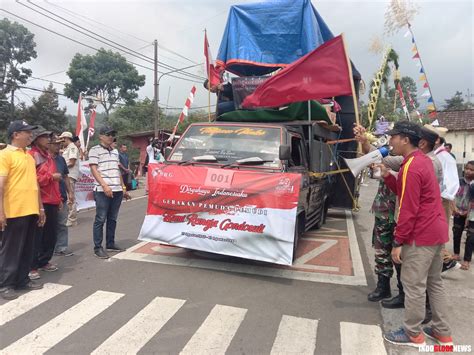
(402, 101)
(213, 74)
(91, 126)
(81, 123)
(184, 113)
(412, 103)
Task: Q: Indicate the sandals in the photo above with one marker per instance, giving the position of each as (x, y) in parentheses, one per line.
(456, 257)
(465, 265)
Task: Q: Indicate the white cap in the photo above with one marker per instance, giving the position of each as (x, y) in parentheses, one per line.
(66, 135)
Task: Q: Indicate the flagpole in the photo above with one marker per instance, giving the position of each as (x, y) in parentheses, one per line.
(351, 77)
(310, 129)
(208, 79)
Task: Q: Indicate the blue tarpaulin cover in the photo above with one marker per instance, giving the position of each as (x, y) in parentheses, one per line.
(262, 37)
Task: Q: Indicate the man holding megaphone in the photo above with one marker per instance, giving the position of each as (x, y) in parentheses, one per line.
(383, 208)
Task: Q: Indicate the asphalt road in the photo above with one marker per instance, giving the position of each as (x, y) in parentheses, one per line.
(166, 309)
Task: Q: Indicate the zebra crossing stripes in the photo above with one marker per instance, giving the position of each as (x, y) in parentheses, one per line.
(295, 336)
(361, 339)
(28, 301)
(217, 331)
(52, 332)
(141, 328)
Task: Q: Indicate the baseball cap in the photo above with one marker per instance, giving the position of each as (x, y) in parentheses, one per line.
(405, 127)
(66, 135)
(104, 130)
(429, 135)
(19, 125)
(40, 131)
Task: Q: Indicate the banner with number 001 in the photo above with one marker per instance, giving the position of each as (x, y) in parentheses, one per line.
(239, 213)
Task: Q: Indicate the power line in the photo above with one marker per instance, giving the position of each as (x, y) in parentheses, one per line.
(100, 38)
(49, 81)
(95, 23)
(88, 46)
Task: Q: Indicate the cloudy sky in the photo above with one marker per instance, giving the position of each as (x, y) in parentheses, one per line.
(443, 31)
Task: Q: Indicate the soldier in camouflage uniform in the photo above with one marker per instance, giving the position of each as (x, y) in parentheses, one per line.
(383, 208)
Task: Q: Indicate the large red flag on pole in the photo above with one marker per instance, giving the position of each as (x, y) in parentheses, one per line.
(322, 73)
(212, 72)
(81, 123)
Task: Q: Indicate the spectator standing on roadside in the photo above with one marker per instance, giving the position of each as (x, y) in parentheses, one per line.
(48, 180)
(67, 195)
(21, 211)
(72, 156)
(449, 148)
(419, 237)
(464, 216)
(108, 192)
(124, 165)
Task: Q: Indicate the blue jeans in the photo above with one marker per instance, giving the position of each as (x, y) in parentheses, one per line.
(106, 209)
(63, 235)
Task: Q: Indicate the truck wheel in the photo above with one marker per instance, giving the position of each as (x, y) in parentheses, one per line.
(298, 229)
(322, 217)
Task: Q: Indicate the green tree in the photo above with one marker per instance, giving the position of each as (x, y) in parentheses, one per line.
(457, 103)
(105, 75)
(45, 111)
(17, 47)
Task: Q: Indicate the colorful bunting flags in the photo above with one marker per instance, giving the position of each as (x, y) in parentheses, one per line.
(426, 93)
(414, 50)
(416, 56)
(430, 99)
(422, 77)
(430, 107)
(425, 85)
(432, 114)
(421, 70)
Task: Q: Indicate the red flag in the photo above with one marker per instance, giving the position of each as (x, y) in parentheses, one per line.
(92, 123)
(213, 74)
(81, 123)
(416, 56)
(432, 114)
(320, 74)
(425, 85)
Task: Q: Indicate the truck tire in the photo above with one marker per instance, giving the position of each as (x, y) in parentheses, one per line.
(322, 216)
(299, 228)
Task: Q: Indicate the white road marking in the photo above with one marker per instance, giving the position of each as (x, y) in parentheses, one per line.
(51, 333)
(28, 301)
(295, 336)
(130, 338)
(357, 265)
(361, 339)
(358, 279)
(217, 331)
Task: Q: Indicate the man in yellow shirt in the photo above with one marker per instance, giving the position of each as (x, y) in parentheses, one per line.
(21, 210)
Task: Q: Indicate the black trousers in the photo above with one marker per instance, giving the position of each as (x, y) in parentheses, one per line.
(458, 229)
(46, 237)
(17, 250)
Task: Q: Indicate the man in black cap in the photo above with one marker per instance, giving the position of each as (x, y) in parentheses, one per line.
(108, 192)
(420, 234)
(21, 210)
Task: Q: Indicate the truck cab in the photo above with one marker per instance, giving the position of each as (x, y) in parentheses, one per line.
(297, 147)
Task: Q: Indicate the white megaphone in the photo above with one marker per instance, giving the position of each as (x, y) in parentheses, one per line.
(358, 164)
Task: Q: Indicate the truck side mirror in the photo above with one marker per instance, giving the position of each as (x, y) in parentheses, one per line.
(167, 152)
(284, 152)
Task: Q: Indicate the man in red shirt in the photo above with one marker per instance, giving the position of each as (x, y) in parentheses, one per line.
(48, 181)
(419, 237)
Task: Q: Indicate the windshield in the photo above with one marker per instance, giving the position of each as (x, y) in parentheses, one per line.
(229, 144)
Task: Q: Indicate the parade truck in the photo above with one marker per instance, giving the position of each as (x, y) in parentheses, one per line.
(249, 183)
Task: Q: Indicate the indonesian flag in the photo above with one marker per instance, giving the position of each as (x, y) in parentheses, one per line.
(320, 74)
(91, 126)
(187, 105)
(212, 73)
(402, 100)
(184, 113)
(81, 123)
(412, 103)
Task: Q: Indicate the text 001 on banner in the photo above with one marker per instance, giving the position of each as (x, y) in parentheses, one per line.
(239, 213)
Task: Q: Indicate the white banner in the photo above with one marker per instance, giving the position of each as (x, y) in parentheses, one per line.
(84, 190)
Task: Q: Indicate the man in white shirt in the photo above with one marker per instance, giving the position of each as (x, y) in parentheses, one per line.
(72, 156)
(450, 177)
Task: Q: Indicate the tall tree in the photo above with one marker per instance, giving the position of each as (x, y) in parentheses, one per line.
(17, 46)
(456, 103)
(45, 111)
(105, 75)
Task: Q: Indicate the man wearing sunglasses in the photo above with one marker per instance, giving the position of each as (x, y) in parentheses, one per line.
(108, 192)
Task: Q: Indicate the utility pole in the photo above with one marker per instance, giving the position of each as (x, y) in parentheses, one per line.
(156, 98)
